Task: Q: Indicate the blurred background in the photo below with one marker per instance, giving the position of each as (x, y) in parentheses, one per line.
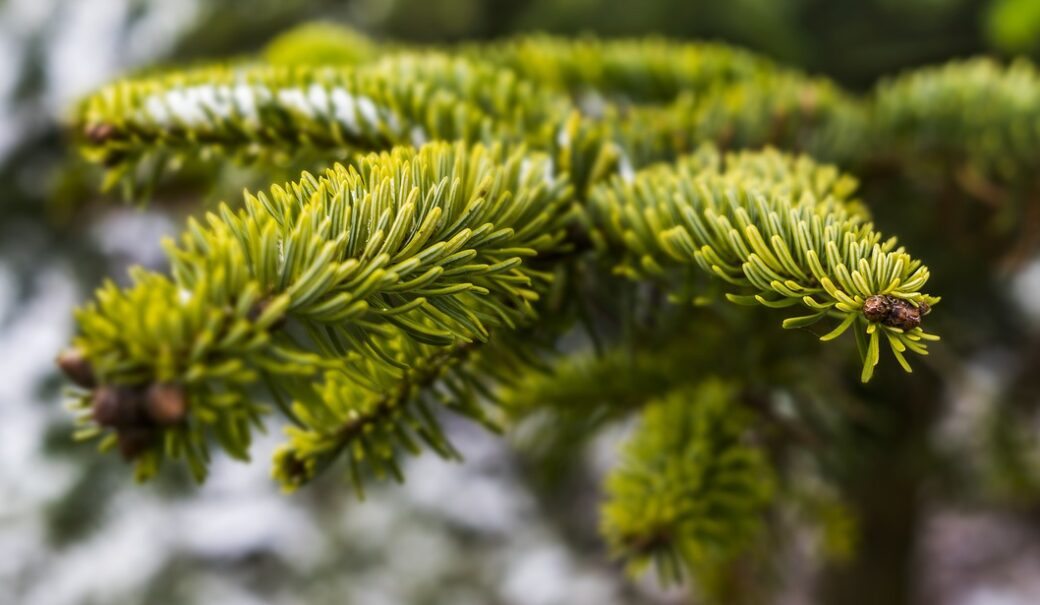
(73, 530)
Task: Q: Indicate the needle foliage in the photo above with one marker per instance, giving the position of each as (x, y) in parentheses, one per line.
(479, 212)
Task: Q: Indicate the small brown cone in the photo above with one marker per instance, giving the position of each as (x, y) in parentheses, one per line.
(166, 404)
(117, 406)
(76, 367)
(876, 308)
(134, 440)
(903, 315)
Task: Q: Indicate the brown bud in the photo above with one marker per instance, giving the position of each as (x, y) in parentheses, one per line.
(166, 404)
(77, 368)
(924, 308)
(903, 315)
(117, 406)
(134, 440)
(99, 133)
(876, 308)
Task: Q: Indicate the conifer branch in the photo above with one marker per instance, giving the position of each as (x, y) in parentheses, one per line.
(779, 229)
(140, 127)
(393, 412)
(370, 416)
(324, 274)
(355, 296)
(977, 113)
(638, 70)
(689, 490)
(274, 113)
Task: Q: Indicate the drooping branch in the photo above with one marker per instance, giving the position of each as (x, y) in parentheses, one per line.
(427, 245)
(779, 229)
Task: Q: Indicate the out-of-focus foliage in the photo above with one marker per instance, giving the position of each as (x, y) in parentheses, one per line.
(979, 114)
(689, 491)
(319, 44)
(1014, 25)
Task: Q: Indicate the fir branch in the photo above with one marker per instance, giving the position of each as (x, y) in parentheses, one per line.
(327, 273)
(368, 425)
(975, 112)
(276, 113)
(641, 70)
(365, 276)
(782, 232)
(689, 490)
(783, 109)
(369, 422)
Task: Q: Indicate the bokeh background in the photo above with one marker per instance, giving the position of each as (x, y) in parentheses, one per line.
(73, 529)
